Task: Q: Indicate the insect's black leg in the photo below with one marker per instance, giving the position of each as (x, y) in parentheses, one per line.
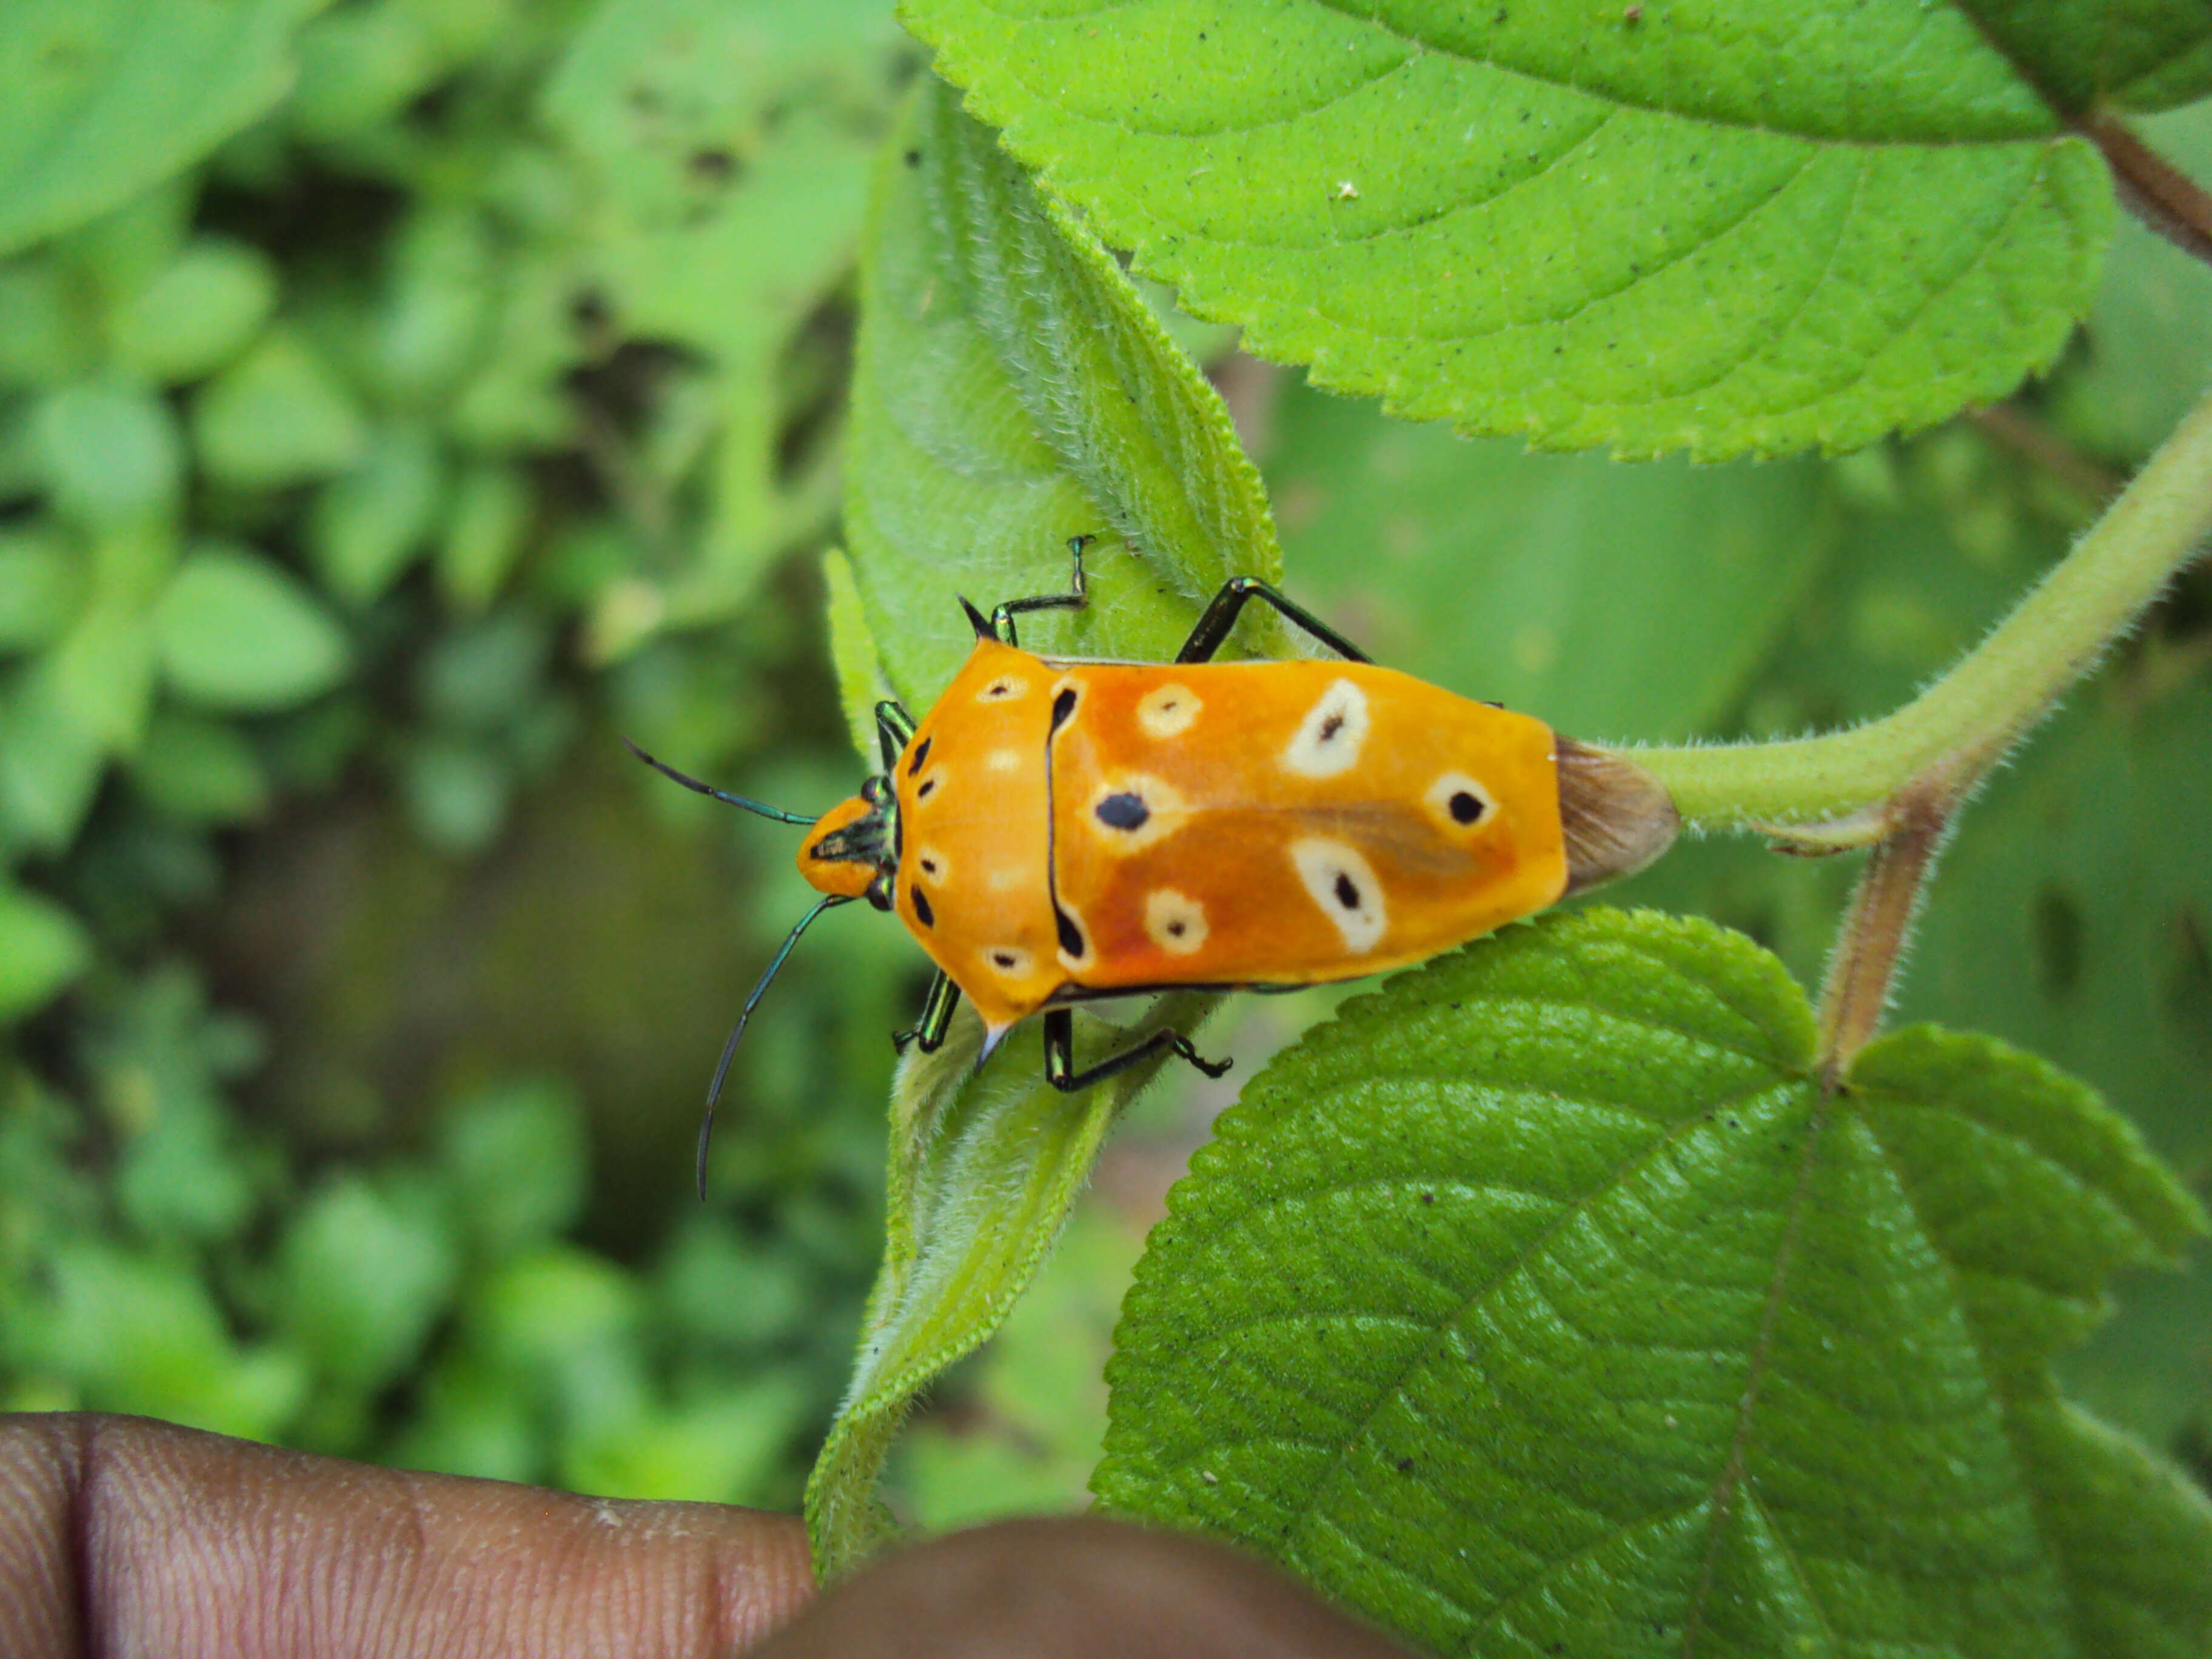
(894, 731)
(1220, 616)
(928, 1032)
(1079, 595)
(1060, 1055)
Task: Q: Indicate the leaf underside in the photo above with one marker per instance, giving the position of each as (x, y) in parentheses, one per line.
(1729, 229)
(1543, 1303)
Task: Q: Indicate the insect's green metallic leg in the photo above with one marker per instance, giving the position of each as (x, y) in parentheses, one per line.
(929, 1031)
(1213, 629)
(1002, 619)
(894, 731)
(1060, 1055)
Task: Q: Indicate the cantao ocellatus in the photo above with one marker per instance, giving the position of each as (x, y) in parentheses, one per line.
(1056, 830)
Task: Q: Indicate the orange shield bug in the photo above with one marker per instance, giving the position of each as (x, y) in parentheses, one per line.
(1056, 830)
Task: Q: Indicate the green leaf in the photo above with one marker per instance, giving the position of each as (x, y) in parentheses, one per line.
(2140, 54)
(110, 452)
(41, 586)
(197, 315)
(516, 1157)
(983, 1170)
(200, 770)
(42, 949)
(238, 632)
(1545, 1302)
(277, 416)
(1013, 390)
(98, 102)
(486, 529)
(1732, 229)
(363, 1273)
(1614, 600)
(369, 523)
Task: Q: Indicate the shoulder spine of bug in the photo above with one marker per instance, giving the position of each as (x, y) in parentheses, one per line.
(1055, 830)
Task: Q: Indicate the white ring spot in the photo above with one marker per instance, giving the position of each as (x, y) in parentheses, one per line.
(1328, 738)
(1010, 961)
(1173, 921)
(936, 869)
(1166, 711)
(1003, 760)
(1459, 803)
(1343, 883)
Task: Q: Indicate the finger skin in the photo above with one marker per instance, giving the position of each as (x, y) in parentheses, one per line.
(1072, 1588)
(124, 1537)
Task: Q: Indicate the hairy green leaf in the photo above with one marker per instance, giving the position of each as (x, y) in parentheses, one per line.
(98, 101)
(1544, 1301)
(1014, 391)
(1732, 228)
(983, 1170)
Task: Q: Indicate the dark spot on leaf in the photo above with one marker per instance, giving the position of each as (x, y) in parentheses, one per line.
(914, 158)
(1347, 892)
(714, 166)
(1123, 812)
(1428, 1198)
(1405, 1466)
(2055, 930)
(1466, 807)
(920, 754)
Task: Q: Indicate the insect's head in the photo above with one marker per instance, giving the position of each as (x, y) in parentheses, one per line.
(852, 851)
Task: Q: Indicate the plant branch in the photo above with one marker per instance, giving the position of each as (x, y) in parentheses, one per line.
(1870, 944)
(2155, 190)
(1963, 723)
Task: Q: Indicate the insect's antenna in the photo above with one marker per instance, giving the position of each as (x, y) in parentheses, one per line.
(722, 1067)
(766, 811)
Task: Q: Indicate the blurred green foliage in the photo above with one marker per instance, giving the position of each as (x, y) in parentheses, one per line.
(433, 392)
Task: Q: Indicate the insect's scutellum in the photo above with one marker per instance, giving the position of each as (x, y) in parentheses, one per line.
(1059, 830)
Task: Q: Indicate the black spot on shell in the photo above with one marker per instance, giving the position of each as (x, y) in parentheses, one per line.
(1070, 936)
(1062, 706)
(922, 912)
(920, 754)
(1177, 929)
(928, 786)
(930, 866)
(1123, 812)
(1003, 958)
(1329, 728)
(1466, 807)
(1347, 892)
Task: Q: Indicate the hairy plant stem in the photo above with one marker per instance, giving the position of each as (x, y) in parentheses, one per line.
(1870, 943)
(2155, 190)
(1963, 723)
